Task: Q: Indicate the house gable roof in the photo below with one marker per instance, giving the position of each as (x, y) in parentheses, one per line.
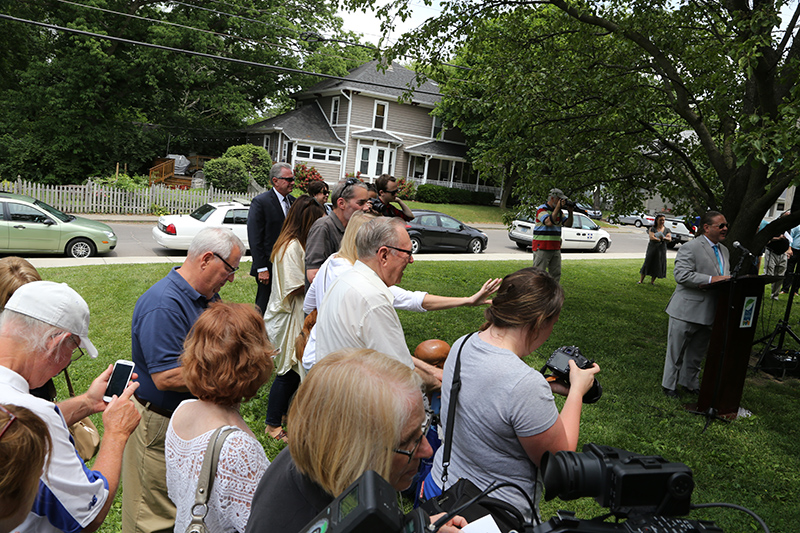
(440, 149)
(368, 80)
(306, 123)
(377, 135)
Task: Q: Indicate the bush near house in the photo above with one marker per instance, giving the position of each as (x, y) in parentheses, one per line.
(227, 173)
(436, 194)
(303, 175)
(407, 190)
(257, 162)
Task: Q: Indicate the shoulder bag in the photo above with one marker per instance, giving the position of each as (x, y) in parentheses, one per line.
(507, 517)
(206, 480)
(84, 432)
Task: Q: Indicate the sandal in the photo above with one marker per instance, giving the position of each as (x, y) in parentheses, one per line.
(282, 436)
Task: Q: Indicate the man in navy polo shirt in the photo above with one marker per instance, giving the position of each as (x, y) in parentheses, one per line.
(162, 318)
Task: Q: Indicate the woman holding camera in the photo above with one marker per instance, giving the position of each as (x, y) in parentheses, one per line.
(501, 436)
(356, 410)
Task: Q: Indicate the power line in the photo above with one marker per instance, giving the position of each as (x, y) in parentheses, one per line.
(286, 70)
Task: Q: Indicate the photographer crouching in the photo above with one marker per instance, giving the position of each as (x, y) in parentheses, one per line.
(505, 417)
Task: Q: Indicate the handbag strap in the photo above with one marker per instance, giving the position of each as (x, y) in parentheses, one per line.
(451, 411)
(69, 384)
(207, 473)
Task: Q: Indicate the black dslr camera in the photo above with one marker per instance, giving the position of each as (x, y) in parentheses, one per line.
(559, 366)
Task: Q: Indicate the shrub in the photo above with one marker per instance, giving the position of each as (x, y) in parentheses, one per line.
(257, 162)
(124, 181)
(303, 175)
(436, 194)
(407, 189)
(227, 173)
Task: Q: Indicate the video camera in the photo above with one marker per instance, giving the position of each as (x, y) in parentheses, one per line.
(558, 363)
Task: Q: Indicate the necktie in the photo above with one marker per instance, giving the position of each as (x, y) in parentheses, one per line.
(719, 259)
(285, 205)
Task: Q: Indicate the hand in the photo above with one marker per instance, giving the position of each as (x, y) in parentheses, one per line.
(490, 287)
(452, 525)
(581, 380)
(263, 276)
(715, 279)
(121, 417)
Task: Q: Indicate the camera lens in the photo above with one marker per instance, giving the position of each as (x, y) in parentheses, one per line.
(571, 475)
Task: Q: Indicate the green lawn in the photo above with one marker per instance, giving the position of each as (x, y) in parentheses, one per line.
(752, 462)
(468, 214)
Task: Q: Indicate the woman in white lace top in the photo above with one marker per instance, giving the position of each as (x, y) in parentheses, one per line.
(226, 358)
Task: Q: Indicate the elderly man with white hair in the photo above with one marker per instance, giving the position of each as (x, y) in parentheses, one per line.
(358, 309)
(161, 320)
(45, 327)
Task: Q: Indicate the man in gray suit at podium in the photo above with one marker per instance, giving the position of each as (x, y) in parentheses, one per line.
(691, 309)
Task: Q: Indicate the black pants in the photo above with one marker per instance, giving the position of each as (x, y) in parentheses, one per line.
(283, 388)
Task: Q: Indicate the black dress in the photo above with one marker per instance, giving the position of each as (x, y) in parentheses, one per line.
(655, 259)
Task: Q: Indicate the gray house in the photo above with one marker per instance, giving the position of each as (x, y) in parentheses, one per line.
(358, 125)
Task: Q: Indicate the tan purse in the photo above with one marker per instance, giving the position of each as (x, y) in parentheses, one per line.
(84, 432)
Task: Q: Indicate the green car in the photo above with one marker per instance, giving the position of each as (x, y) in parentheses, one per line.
(31, 226)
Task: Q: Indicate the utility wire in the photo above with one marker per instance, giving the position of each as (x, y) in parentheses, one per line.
(286, 70)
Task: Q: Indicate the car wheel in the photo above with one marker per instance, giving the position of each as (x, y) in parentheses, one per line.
(601, 246)
(475, 246)
(415, 245)
(80, 248)
(637, 223)
(522, 246)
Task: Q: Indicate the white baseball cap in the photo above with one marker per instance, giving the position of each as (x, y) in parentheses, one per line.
(55, 304)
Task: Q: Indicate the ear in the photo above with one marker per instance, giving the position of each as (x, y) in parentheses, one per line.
(206, 258)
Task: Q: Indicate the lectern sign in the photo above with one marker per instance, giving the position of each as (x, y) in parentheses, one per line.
(748, 312)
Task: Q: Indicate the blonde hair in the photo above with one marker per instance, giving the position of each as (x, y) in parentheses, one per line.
(347, 249)
(227, 356)
(14, 273)
(348, 415)
(24, 448)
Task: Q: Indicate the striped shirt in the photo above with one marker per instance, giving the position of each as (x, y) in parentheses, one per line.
(546, 237)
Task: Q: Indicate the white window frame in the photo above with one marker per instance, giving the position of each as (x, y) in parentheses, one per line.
(375, 115)
(387, 165)
(311, 153)
(434, 133)
(335, 110)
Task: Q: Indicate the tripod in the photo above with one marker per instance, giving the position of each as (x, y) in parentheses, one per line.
(781, 329)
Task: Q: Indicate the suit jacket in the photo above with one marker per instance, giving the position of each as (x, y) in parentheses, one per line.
(694, 264)
(264, 223)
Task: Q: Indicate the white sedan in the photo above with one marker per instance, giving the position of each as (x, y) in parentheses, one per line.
(177, 231)
(583, 235)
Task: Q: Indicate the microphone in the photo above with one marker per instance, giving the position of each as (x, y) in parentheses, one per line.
(738, 245)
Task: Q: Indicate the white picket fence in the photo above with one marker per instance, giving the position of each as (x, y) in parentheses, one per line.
(93, 198)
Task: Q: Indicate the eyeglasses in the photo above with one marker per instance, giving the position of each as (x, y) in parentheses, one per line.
(426, 425)
(409, 252)
(11, 418)
(231, 269)
(720, 226)
(392, 192)
(77, 342)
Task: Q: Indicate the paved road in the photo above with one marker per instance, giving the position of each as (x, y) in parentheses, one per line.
(136, 245)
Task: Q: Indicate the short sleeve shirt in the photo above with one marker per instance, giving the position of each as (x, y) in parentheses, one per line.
(162, 318)
(70, 495)
(323, 240)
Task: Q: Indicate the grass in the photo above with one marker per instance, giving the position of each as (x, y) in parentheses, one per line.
(468, 214)
(753, 462)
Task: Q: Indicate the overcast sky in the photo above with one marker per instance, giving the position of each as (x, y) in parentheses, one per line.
(370, 27)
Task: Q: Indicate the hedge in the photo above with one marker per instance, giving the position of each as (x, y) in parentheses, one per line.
(436, 194)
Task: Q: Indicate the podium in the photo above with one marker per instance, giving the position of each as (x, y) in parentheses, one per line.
(728, 356)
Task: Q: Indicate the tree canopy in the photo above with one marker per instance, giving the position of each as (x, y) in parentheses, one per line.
(75, 105)
(697, 101)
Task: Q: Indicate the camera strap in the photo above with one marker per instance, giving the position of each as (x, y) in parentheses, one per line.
(451, 411)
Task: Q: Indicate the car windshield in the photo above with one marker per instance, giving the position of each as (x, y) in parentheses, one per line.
(63, 217)
(203, 212)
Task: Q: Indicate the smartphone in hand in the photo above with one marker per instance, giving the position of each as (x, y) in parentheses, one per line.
(119, 379)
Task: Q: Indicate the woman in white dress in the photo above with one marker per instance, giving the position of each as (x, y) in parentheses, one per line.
(284, 314)
(226, 359)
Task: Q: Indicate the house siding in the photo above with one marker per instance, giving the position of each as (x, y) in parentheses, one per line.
(329, 171)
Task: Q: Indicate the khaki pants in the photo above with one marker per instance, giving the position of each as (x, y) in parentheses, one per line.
(146, 507)
(549, 260)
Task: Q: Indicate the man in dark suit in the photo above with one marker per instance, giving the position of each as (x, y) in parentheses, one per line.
(692, 308)
(267, 212)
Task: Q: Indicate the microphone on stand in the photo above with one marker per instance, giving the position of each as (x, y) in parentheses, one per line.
(738, 245)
